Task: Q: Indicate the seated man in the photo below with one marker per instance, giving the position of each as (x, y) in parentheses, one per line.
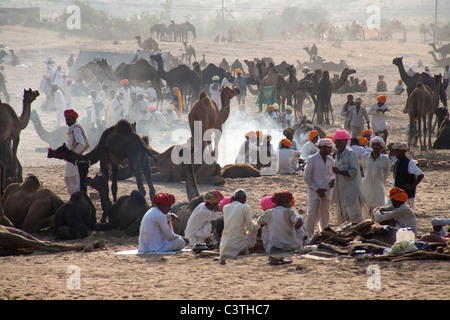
(155, 234)
(310, 148)
(201, 223)
(239, 231)
(284, 230)
(288, 159)
(399, 215)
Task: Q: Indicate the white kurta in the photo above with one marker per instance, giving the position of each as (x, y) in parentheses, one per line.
(155, 234)
(281, 233)
(376, 173)
(76, 143)
(117, 110)
(157, 120)
(247, 154)
(239, 231)
(403, 216)
(214, 93)
(308, 150)
(318, 174)
(378, 117)
(60, 103)
(347, 191)
(198, 227)
(288, 161)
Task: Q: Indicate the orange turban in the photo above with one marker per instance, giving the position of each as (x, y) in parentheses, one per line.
(70, 113)
(238, 71)
(363, 141)
(125, 81)
(382, 98)
(250, 134)
(398, 194)
(366, 132)
(286, 142)
(329, 136)
(312, 134)
(270, 107)
(259, 134)
(164, 198)
(399, 81)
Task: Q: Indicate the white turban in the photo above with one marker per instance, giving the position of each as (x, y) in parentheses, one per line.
(400, 146)
(377, 139)
(325, 142)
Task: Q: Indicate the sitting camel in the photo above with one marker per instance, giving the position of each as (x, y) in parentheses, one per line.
(117, 144)
(30, 207)
(125, 214)
(74, 219)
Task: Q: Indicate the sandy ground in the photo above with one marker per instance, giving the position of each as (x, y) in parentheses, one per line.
(184, 276)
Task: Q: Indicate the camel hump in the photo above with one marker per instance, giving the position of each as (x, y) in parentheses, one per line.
(202, 95)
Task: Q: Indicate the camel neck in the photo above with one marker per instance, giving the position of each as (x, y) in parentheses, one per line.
(25, 116)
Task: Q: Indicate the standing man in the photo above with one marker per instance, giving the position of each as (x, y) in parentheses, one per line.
(406, 173)
(214, 91)
(376, 168)
(357, 116)
(239, 231)
(319, 178)
(347, 193)
(241, 83)
(378, 112)
(345, 111)
(60, 104)
(446, 76)
(77, 142)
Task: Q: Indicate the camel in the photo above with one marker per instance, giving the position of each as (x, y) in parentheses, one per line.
(224, 65)
(210, 71)
(139, 72)
(11, 125)
(117, 144)
(239, 170)
(440, 62)
(190, 28)
(421, 105)
(158, 29)
(148, 44)
(206, 111)
(190, 52)
(181, 77)
(236, 65)
(75, 218)
(30, 207)
(424, 32)
(444, 50)
(411, 82)
(202, 62)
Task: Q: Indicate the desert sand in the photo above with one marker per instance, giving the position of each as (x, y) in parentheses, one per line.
(184, 276)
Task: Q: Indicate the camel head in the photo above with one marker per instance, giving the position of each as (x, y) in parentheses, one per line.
(59, 153)
(30, 95)
(138, 38)
(98, 182)
(230, 92)
(398, 61)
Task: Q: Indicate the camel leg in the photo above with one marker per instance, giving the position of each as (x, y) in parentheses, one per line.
(14, 159)
(424, 132)
(148, 177)
(114, 173)
(419, 123)
(430, 129)
(38, 215)
(105, 174)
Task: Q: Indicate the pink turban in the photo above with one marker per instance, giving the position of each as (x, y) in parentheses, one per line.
(224, 202)
(267, 203)
(341, 135)
(152, 108)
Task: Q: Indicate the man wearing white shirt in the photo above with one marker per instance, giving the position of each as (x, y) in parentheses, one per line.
(288, 159)
(319, 178)
(310, 147)
(248, 150)
(60, 104)
(376, 168)
(358, 115)
(377, 111)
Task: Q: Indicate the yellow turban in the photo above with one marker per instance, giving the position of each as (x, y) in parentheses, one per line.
(398, 194)
(312, 134)
(382, 98)
(286, 142)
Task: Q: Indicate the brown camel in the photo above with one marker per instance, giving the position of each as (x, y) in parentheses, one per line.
(139, 72)
(421, 105)
(239, 170)
(11, 125)
(225, 66)
(29, 206)
(117, 144)
(159, 30)
(190, 52)
(181, 77)
(440, 62)
(148, 44)
(206, 111)
(443, 51)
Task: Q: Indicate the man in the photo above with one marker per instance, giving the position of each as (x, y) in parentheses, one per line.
(319, 178)
(155, 234)
(310, 147)
(410, 71)
(57, 77)
(399, 215)
(117, 107)
(376, 168)
(239, 233)
(381, 84)
(157, 120)
(60, 104)
(406, 173)
(109, 114)
(241, 83)
(378, 112)
(98, 109)
(125, 89)
(142, 114)
(399, 88)
(214, 91)
(446, 77)
(357, 116)
(289, 134)
(248, 150)
(77, 142)
(345, 111)
(283, 223)
(227, 80)
(202, 221)
(347, 193)
(288, 159)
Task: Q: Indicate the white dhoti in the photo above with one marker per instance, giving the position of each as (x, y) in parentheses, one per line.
(357, 212)
(72, 178)
(318, 214)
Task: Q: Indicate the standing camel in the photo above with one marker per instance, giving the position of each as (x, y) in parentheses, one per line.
(206, 111)
(421, 105)
(190, 51)
(117, 144)
(11, 125)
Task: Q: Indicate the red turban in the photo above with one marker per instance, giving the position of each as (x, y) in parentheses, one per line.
(382, 99)
(164, 198)
(282, 196)
(70, 113)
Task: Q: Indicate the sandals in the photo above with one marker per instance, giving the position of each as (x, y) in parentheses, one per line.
(279, 260)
